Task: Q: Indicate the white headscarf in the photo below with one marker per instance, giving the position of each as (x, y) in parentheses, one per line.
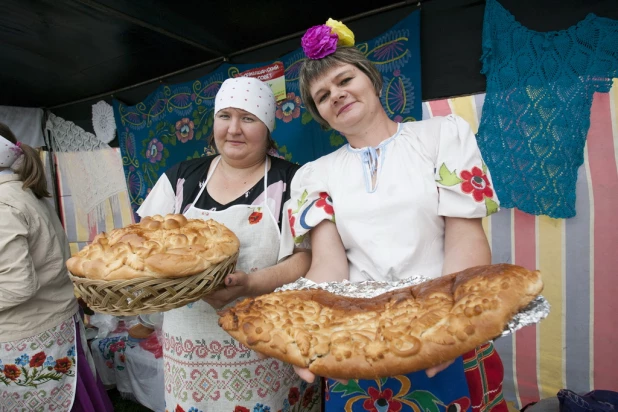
(9, 152)
(250, 94)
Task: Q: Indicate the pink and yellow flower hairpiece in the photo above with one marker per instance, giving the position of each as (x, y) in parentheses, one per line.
(321, 41)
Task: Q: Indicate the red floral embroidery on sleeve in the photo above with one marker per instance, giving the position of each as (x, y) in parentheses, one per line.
(477, 183)
(292, 220)
(326, 203)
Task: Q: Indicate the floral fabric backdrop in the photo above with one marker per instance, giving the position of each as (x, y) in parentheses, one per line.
(174, 122)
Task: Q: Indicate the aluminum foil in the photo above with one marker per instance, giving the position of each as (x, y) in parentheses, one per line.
(366, 289)
(536, 310)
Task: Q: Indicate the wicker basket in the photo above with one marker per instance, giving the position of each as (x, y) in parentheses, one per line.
(150, 295)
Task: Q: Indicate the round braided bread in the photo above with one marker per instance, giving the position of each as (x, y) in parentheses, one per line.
(159, 247)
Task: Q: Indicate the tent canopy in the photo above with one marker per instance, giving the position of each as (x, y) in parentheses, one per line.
(56, 52)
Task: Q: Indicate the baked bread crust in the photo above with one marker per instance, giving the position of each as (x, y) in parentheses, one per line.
(157, 247)
(398, 332)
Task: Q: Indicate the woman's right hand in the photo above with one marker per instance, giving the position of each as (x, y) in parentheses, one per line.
(303, 373)
(309, 377)
(431, 372)
(236, 285)
(306, 375)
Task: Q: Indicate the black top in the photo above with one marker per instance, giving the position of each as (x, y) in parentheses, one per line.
(189, 176)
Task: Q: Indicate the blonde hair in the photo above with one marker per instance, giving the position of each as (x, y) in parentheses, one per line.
(31, 171)
(314, 69)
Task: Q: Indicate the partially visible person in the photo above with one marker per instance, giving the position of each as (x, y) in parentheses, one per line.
(244, 188)
(43, 361)
(398, 200)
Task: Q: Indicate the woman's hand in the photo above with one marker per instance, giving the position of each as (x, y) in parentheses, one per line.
(304, 374)
(309, 377)
(431, 372)
(236, 285)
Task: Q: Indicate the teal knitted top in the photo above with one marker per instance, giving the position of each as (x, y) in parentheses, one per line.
(537, 107)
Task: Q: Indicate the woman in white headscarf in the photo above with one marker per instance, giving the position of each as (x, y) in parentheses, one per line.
(244, 188)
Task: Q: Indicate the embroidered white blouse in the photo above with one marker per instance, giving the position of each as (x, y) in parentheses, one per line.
(392, 226)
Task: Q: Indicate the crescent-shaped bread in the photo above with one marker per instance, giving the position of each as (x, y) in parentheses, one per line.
(395, 333)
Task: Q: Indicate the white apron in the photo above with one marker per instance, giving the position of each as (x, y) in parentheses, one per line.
(205, 368)
(39, 373)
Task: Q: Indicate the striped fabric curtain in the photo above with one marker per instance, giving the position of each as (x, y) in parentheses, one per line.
(118, 214)
(574, 347)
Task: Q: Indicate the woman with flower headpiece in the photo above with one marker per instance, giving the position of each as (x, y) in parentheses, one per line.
(45, 363)
(244, 187)
(408, 200)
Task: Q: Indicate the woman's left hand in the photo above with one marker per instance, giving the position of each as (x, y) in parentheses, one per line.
(431, 372)
(236, 285)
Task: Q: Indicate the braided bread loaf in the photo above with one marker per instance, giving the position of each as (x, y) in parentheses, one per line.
(158, 247)
(398, 332)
